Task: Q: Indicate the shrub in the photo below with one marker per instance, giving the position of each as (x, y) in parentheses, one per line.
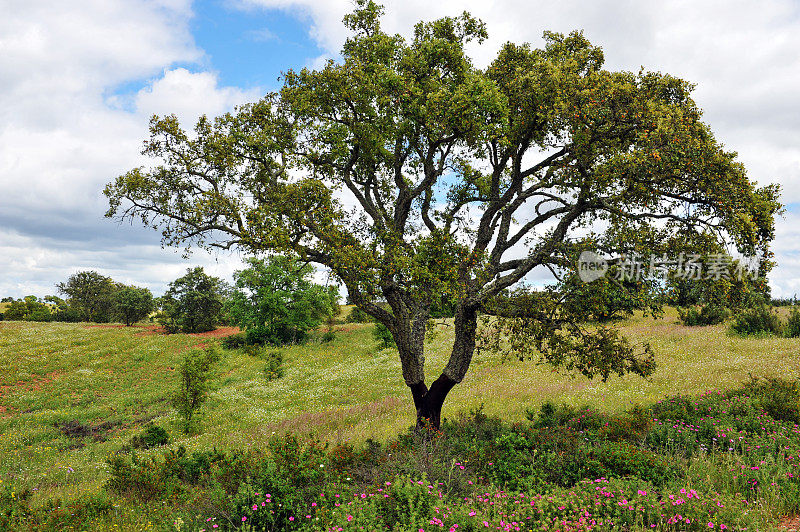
(273, 368)
(193, 384)
(623, 459)
(68, 314)
(329, 336)
(780, 398)
(41, 314)
(707, 315)
(152, 436)
(758, 319)
(383, 336)
(16, 310)
(234, 341)
(793, 324)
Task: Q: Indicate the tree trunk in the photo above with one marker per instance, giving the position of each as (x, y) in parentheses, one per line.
(428, 402)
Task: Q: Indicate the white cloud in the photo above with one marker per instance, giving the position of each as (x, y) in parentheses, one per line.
(63, 133)
(189, 95)
(63, 136)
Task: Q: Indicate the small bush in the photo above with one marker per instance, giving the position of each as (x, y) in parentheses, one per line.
(193, 385)
(383, 336)
(706, 315)
(254, 350)
(273, 369)
(780, 398)
(793, 324)
(42, 315)
(759, 319)
(234, 341)
(68, 315)
(152, 436)
(329, 336)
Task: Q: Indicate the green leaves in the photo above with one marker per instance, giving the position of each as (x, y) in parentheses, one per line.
(193, 303)
(413, 175)
(276, 302)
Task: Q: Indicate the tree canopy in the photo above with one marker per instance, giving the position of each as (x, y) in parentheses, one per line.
(192, 303)
(132, 304)
(91, 294)
(276, 302)
(411, 174)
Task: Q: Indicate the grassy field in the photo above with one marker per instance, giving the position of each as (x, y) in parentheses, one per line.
(113, 380)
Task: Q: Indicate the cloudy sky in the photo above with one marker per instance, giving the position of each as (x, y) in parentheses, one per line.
(79, 80)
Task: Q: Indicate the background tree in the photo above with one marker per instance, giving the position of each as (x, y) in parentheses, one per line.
(30, 308)
(91, 294)
(192, 303)
(275, 301)
(462, 180)
(62, 311)
(132, 304)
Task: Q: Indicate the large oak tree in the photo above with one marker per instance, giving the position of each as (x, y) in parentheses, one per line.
(411, 173)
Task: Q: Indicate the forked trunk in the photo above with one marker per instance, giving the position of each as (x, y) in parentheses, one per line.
(429, 401)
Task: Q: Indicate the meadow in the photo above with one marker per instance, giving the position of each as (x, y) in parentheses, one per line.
(71, 395)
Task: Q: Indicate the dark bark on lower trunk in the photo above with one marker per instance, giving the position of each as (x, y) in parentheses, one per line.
(429, 402)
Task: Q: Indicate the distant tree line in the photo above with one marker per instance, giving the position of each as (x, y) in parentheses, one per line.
(90, 297)
(274, 301)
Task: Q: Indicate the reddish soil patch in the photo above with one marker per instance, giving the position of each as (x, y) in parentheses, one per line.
(217, 333)
(790, 523)
(30, 386)
(151, 329)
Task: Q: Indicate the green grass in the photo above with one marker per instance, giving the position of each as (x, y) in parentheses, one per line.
(117, 379)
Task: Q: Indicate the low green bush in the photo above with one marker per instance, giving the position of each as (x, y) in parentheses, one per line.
(193, 375)
(778, 397)
(384, 337)
(151, 436)
(41, 315)
(759, 319)
(234, 341)
(273, 367)
(793, 323)
(705, 315)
